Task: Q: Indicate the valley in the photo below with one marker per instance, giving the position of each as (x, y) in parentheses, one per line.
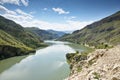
(59, 40)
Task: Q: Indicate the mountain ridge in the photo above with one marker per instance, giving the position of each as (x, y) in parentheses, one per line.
(45, 34)
(15, 40)
(59, 33)
(106, 30)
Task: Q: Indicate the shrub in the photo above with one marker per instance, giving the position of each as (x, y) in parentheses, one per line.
(97, 76)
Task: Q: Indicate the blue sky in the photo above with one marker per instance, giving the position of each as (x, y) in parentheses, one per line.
(62, 15)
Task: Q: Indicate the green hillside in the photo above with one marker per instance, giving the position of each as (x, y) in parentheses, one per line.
(18, 32)
(15, 40)
(9, 46)
(43, 34)
(105, 31)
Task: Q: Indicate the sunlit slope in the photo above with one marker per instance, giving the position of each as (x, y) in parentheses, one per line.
(106, 30)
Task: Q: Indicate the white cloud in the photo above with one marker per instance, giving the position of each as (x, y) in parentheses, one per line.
(47, 25)
(45, 9)
(5, 10)
(70, 17)
(78, 24)
(68, 26)
(16, 2)
(17, 18)
(25, 2)
(27, 20)
(60, 11)
(18, 15)
(23, 13)
(33, 12)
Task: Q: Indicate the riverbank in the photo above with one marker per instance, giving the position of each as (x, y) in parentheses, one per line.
(8, 51)
(101, 64)
(49, 61)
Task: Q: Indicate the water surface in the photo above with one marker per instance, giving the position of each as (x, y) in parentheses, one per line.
(46, 64)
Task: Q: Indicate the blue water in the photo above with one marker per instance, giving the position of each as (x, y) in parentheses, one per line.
(46, 64)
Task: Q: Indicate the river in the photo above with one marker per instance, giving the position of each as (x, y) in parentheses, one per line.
(48, 63)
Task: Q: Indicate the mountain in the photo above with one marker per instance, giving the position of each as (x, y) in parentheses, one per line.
(105, 31)
(59, 33)
(45, 34)
(19, 32)
(15, 40)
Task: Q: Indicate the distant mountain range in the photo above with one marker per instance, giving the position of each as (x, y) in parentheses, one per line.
(106, 31)
(58, 33)
(45, 34)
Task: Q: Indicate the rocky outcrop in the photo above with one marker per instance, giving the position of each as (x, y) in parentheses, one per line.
(7, 51)
(102, 64)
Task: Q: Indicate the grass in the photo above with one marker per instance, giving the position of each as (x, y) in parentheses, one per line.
(103, 46)
(6, 39)
(12, 46)
(107, 33)
(79, 69)
(97, 75)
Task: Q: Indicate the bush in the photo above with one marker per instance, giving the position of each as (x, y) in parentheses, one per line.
(103, 46)
(97, 76)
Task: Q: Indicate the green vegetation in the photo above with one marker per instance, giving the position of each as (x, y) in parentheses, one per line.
(6, 39)
(100, 34)
(70, 56)
(79, 69)
(45, 34)
(15, 40)
(19, 33)
(97, 76)
(75, 58)
(91, 62)
(58, 33)
(78, 56)
(103, 46)
(9, 46)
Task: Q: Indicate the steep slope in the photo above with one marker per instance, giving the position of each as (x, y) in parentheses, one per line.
(10, 47)
(6, 39)
(15, 40)
(19, 33)
(106, 30)
(43, 34)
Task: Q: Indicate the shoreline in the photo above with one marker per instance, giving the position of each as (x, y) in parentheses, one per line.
(101, 64)
(7, 51)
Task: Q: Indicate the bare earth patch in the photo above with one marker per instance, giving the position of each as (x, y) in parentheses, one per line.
(101, 64)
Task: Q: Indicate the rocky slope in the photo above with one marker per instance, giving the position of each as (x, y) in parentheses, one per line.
(102, 64)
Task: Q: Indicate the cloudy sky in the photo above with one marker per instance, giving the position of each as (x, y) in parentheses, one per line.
(62, 15)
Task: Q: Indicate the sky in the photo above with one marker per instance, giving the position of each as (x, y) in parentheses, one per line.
(60, 15)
